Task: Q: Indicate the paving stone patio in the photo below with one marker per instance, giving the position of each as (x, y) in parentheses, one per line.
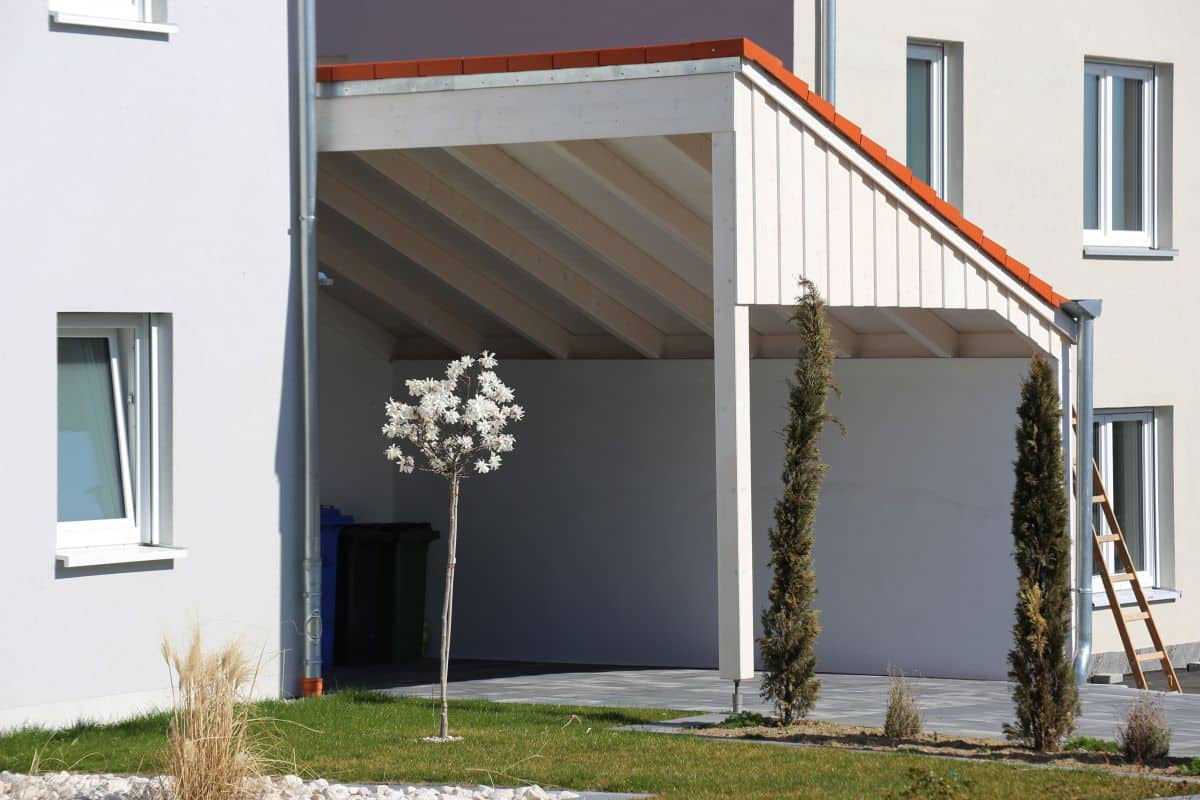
(967, 708)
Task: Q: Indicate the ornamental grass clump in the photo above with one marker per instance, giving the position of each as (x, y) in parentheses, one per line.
(456, 425)
(903, 718)
(214, 753)
(790, 623)
(1145, 735)
(1044, 680)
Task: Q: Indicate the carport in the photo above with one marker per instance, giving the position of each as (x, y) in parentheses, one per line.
(651, 204)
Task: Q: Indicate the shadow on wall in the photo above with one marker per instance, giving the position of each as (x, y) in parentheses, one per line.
(289, 438)
(371, 30)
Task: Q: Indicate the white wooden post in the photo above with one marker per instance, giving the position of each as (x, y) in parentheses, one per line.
(733, 287)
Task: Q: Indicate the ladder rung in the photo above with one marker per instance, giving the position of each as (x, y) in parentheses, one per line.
(1134, 616)
(1098, 499)
(1107, 537)
(1123, 577)
(1157, 655)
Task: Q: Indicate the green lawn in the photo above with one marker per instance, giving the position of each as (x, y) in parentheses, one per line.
(359, 736)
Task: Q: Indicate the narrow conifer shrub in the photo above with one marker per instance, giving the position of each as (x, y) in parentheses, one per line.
(790, 623)
(903, 717)
(1145, 735)
(1044, 689)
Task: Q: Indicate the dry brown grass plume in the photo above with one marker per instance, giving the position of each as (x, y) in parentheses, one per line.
(214, 752)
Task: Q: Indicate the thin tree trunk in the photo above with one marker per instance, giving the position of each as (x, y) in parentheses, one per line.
(448, 604)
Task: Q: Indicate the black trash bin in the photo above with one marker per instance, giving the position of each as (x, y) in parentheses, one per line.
(380, 616)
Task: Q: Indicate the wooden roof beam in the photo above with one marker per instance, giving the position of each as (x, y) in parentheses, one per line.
(617, 175)
(926, 328)
(381, 217)
(520, 250)
(351, 264)
(503, 171)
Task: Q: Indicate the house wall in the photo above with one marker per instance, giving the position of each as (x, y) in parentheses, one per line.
(1023, 164)
(142, 175)
(355, 377)
(372, 30)
(598, 534)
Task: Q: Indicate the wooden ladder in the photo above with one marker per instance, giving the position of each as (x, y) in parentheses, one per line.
(1100, 498)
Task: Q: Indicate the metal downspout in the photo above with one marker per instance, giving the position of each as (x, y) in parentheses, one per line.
(827, 38)
(1085, 312)
(306, 179)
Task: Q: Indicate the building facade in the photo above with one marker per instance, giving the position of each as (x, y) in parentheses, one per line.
(147, 218)
(152, 320)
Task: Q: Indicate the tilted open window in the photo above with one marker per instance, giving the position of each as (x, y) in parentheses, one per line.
(113, 430)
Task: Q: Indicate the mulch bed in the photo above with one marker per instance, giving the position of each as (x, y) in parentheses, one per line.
(854, 737)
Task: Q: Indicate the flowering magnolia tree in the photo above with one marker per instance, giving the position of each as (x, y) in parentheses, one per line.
(454, 426)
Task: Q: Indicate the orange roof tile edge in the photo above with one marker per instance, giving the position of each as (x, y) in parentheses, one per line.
(693, 51)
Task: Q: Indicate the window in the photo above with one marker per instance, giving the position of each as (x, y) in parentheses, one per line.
(926, 120)
(146, 16)
(1125, 452)
(112, 425)
(1118, 155)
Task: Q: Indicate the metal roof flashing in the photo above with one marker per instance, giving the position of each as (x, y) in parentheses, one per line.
(541, 77)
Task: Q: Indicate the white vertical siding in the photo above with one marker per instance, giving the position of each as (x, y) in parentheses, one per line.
(818, 210)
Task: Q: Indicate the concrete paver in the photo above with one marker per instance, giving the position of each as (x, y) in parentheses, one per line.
(952, 707)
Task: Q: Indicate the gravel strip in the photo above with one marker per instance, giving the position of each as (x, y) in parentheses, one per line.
(72, 786)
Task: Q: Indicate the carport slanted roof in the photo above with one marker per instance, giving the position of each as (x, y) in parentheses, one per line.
(695, 51)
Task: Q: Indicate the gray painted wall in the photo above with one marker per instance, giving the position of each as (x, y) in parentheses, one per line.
(595, 542)
(149, 175)
(369, 30)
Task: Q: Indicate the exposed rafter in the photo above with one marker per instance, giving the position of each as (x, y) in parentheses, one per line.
(350, 263)
(507, 174)
(383, 219)
(653, 202)
(695, 146)
(927, 329)
(519, 249)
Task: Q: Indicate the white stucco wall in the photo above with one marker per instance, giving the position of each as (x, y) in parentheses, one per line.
(149, 175)
(1023, 178)
(355, 380)
(595, 543)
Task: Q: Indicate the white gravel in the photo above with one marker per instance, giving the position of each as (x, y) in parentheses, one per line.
(72, 786)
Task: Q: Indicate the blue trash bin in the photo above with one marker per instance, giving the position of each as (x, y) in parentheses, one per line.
(332, 522)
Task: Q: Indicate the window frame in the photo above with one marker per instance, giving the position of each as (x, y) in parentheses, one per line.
(116, 530)
(134, 16)
(1150, 522)
(129, 10)
(1105, 235)
(139, 352)
(935, 54)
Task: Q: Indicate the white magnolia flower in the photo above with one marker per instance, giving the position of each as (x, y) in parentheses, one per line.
(455, 423)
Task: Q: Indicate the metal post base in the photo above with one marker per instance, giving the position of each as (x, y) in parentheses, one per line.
(737, 697)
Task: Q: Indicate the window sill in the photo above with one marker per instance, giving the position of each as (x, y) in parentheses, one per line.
(1113, 251)
(1126, 598)
(72, 557)
(136, 26)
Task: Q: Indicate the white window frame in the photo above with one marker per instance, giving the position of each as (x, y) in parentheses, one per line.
(935, 54)
(1106, 71)
(140, 16)
(139, 352)
(1149, 574)
(119, 530)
